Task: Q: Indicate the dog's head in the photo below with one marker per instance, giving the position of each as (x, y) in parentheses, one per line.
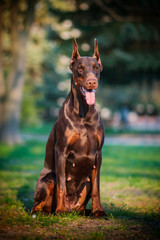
(86, 72)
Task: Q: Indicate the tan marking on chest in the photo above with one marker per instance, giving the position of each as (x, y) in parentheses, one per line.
(72, 136)
(98, 138)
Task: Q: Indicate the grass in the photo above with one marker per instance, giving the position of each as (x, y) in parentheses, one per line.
(130, 192)
(39, 129)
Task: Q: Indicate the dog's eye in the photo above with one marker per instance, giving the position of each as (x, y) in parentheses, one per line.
(80, 70)
(96, 68)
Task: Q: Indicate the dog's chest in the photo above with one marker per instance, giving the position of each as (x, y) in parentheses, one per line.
(83, 141)
(81, 152)
(81, 155)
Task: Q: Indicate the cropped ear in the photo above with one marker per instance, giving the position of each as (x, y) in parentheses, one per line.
(96, 54)
(75, 53)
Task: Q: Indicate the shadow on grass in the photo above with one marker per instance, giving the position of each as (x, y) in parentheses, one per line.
(129, 213)
(148, 222)
(25, 195)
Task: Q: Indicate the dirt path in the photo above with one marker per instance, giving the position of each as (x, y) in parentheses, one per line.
(134, 140)
(122, 139)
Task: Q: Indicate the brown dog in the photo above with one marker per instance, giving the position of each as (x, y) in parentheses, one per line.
(71, 172)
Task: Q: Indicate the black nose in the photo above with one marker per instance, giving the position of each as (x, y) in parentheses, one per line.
(92, 83)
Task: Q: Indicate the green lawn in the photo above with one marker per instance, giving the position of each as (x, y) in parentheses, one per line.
(130, 194)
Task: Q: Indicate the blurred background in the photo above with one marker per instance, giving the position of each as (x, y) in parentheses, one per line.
(35, 50)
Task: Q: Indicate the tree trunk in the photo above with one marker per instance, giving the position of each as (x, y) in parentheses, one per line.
(2, 86)
(11, 96)
(9, 128)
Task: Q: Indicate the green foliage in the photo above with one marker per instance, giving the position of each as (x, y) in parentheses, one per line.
(128, 42)
(49, 88)
(128, 94)
(29, 112)
(33, 78)
(129, 48)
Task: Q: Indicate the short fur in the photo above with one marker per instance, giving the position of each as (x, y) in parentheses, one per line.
(71, 172)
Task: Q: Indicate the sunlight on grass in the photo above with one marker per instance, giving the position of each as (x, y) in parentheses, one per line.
(5, 150)
(39, 129)
(130, 189)
(37, 150)
(131, 175)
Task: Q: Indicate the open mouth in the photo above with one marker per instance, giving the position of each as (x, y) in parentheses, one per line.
(89, 95)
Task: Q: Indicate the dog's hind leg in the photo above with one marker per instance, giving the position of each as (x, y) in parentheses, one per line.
(45, 196)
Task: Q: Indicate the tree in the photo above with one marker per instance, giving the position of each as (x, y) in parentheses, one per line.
(128, 35)
(16, 19)
(128, 32)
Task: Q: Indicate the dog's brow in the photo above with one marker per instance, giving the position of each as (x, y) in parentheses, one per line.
(93, 63)
(82, 65)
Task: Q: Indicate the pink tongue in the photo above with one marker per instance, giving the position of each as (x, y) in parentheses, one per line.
(90, 98)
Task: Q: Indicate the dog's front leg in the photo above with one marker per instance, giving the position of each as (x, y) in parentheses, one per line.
(61, 181)
(95, 175)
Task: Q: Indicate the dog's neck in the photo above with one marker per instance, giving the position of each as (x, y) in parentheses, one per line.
(78, 102)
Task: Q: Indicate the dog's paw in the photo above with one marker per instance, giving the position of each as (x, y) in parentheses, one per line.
(60, 211)
(99, 214)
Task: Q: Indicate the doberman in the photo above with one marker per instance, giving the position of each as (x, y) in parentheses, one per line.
(71, 172)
